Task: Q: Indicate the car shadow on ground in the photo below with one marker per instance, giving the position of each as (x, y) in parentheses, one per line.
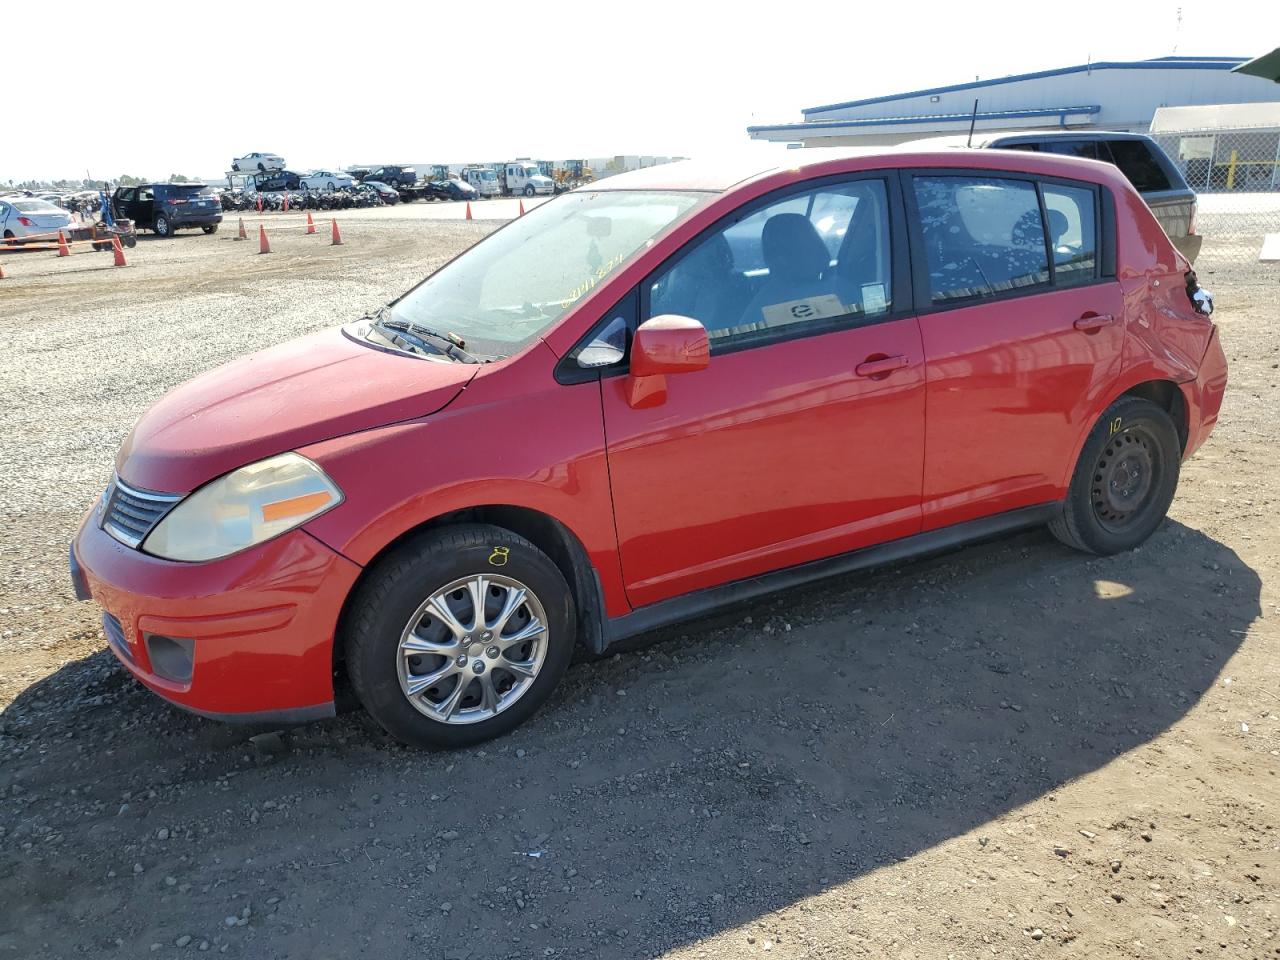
(734, 767)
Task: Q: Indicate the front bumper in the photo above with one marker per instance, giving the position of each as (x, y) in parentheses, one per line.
(247, 638)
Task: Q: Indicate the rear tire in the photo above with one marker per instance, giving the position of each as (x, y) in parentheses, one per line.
(210, 228)
(162, 226)
(1124, 480)
(392, 608)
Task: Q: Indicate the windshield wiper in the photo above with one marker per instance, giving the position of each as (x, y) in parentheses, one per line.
(444, 344)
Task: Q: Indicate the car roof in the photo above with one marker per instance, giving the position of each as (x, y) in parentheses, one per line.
(989, 138)
(720, 174)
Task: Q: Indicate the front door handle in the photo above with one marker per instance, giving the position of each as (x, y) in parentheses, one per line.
(1094, 321)
(880, 367)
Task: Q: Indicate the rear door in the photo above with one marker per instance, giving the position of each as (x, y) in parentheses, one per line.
(1020, 316)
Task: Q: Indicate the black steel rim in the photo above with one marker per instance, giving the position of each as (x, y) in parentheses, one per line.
(1125, 478)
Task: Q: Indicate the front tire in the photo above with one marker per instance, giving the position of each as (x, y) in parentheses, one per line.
(529, 191)
(1124, 480)
(430, 670)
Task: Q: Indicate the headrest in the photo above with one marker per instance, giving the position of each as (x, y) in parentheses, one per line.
(792, 248)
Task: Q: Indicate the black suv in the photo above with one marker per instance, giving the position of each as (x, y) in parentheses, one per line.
(166, 207)
(1139, 158)
(280, 180)
(392, 174)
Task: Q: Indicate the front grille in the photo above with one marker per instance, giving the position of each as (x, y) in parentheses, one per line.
(130, 514)
(115, 636)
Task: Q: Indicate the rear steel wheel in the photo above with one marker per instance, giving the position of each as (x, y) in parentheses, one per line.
(472, 649)
(1126, 473)
(1124, 480)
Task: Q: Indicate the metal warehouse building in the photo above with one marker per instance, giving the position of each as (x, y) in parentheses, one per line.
(1102, 96)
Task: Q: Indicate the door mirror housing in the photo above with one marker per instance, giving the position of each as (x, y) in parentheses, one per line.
(669, 344)
(663, 345)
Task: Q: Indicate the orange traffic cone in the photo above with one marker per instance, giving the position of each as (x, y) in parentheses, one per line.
(337, 237)
(258, 204)
(468, 209)
(263, 246)
(311, 224)
(242, 235)
(1, 271)
(522, 208)
(286, 203)
(118, 251)
(63, 249)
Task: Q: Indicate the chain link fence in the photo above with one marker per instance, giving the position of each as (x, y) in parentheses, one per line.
(1236, 174)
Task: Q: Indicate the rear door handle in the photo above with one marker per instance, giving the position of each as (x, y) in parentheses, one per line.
(1095, 321)
(881, 367)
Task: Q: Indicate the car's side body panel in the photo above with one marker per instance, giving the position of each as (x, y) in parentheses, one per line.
(1011, 384)
(771, 457)
(515, 438)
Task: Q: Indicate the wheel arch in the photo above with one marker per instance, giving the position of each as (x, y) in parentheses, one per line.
(545, 532)
(1165, 393)
(1168, 396)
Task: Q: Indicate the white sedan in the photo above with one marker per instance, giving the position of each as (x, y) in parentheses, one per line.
(257, 163)
(22, 217)
(325, 180)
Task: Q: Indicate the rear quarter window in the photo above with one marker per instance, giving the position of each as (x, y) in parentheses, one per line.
(1137, 162)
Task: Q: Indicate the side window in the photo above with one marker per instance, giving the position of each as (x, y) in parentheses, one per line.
(608, 343)
(805, 259)
(982, 236)
(1136, 162)
(1073, 233)
(1086, 149)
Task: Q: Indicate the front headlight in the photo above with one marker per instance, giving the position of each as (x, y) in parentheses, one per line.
(244, 508)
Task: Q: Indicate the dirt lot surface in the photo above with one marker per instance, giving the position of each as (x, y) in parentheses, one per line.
(1011, 751)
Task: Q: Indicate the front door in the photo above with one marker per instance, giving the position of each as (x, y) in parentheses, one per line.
(1023, 332)
(804, 436)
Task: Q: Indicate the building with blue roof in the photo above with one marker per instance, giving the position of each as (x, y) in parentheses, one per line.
(1120, 95)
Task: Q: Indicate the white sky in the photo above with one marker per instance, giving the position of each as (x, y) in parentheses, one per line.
(333, 84)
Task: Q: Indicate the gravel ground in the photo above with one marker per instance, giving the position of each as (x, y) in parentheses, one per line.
(1012, 751)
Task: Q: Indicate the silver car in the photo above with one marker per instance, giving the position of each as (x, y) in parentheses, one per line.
(25, 217)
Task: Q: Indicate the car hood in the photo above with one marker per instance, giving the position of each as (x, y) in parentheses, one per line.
(311, 389)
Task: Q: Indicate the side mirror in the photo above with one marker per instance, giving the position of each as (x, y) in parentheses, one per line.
(669, 344)
(664, 345)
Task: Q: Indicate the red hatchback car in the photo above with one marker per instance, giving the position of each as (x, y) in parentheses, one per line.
(678, 388)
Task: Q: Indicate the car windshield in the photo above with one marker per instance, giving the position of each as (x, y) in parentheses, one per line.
(488, 175)
(515, 285)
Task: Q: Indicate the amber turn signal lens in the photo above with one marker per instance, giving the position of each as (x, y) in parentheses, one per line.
(295, 506)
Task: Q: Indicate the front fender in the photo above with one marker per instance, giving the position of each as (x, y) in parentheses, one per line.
(500, 444)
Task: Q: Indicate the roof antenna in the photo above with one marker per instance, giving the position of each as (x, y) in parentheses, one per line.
(972, 120)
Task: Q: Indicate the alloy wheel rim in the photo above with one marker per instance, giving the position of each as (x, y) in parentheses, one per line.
(1125, 477)
(472, 649)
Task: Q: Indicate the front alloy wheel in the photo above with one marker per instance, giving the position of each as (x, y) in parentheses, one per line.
(458, 635)
(472, 649)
